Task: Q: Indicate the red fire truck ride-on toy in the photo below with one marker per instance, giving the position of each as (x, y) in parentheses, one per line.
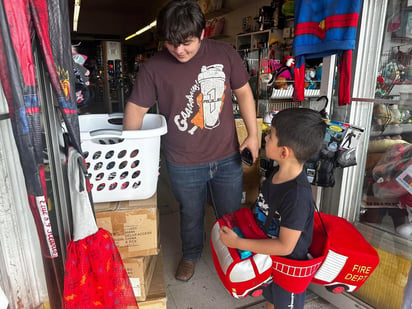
(340, 259)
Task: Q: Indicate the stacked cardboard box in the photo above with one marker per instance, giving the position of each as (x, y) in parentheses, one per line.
(251, 174)
(134, 226)
(156, 296)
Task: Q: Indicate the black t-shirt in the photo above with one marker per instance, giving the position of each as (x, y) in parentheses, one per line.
(294, 210)
(195, 98)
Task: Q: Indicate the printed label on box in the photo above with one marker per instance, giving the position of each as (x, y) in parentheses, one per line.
(138, 233)
(137, 289)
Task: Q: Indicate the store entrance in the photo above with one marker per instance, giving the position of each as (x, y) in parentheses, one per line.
(105, 71)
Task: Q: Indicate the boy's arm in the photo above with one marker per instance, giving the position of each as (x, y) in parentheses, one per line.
(133, 116)
(282, 246)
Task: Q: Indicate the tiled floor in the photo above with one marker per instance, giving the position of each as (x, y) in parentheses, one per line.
(204, 290)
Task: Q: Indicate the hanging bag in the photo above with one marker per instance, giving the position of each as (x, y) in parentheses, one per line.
(95, 276)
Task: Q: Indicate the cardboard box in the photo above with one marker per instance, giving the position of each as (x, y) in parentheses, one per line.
(140, 271)
(107, 206)
(242, 132)
(251, 174)
(156, 297)
(251, 183)
(125, 205)
(134, 227)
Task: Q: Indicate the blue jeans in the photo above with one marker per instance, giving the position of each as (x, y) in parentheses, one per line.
(190, 185)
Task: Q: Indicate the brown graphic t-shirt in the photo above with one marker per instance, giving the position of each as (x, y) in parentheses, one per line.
(195, 97)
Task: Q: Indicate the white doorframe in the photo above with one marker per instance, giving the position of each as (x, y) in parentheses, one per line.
(365, 69)
(21, 268)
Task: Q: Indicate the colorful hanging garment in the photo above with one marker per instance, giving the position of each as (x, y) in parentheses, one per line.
(95, 276)
(324, 28)
(21, 23)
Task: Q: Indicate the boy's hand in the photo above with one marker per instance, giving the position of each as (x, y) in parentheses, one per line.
(228, 237)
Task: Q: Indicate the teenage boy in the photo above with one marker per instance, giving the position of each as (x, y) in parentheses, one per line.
(192, 80)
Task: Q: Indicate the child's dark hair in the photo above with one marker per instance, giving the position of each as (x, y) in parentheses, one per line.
(179, 20)
(301, 129)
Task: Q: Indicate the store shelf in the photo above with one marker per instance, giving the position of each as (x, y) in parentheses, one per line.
(288, 93)
(393, 129)
(253, 40)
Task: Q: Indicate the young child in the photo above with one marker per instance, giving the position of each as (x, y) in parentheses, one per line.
(296, 134)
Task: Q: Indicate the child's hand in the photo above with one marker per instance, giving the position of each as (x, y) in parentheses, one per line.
(228, 237)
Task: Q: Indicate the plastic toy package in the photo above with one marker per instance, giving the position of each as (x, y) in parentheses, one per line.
(338, 150)
(341, 136)
(390, 174)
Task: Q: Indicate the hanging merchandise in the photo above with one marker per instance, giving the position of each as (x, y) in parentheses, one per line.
(81, 78)
(95, 276)
(265, 18)
(338, 150)
(282, 72)
(19, 19)
(324, 28)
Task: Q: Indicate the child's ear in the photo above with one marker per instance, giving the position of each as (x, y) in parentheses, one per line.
(286, 152)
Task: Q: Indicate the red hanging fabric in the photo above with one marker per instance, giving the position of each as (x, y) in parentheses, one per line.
(19, 21)
(324, 28)
(95, 276)
(344, 69)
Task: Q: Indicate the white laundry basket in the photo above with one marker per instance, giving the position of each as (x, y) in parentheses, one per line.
(123, 165)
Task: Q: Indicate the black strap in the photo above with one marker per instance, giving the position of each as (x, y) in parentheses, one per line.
(320, 218)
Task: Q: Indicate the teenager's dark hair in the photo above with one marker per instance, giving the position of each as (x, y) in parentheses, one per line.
(301, 129)
(179, 20)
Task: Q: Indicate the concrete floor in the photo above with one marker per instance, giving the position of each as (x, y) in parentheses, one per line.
(204, 290)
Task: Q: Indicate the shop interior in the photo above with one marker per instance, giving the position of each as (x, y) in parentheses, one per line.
(107, 54)
(262, 33)
(112, 64)
(112, 60)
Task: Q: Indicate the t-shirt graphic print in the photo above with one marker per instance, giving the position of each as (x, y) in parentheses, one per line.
(210, 99)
